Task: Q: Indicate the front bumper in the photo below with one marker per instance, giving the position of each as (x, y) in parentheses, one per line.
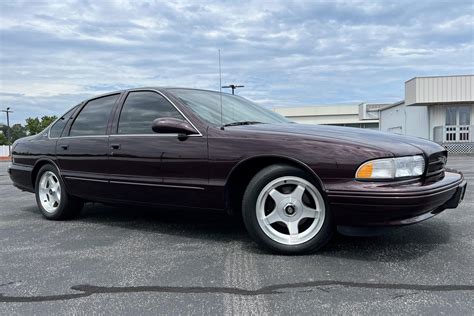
(356, 203)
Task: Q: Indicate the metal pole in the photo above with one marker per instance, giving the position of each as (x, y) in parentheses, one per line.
(233, 87)
(7, 111)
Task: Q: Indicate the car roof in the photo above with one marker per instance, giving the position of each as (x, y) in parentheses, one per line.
(161, 89)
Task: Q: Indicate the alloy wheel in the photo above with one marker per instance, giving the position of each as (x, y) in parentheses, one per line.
(49, 192)
(290, 210)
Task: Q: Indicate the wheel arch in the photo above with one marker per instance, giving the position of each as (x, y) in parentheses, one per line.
(245, 170)
(38, 164)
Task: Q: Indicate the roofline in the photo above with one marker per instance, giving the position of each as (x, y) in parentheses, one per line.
(392, 105)
(185, 88)
(472, 75)
(161, 89)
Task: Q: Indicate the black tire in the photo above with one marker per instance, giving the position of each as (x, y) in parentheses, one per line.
(249, 212)
(67, 208)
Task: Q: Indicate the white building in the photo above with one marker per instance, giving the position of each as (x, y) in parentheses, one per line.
(436, 108)
(353, 115)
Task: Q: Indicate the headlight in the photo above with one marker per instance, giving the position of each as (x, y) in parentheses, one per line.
(391, 168)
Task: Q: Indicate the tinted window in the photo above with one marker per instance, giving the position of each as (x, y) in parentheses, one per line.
(217, 108)
(94, 116)
(140, 109)
(56, 130)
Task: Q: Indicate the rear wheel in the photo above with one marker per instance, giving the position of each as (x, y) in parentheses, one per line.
(51, 196)
(285, 211)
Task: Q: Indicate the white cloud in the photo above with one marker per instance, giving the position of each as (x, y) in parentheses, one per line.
(55, 53)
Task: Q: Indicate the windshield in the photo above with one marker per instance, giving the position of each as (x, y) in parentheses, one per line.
(235, 109)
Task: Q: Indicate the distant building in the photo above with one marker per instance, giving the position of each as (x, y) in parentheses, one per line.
(436, 108)
(353, 115)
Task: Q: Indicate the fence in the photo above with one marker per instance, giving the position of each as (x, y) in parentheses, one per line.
(455, 138)
(4, 151)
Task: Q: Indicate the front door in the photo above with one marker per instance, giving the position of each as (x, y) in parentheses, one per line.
(82, 155)
(147, 167)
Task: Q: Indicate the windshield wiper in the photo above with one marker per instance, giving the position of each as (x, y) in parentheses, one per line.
(242, 123)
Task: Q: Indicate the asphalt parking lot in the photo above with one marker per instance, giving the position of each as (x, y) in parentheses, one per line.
(124, 260)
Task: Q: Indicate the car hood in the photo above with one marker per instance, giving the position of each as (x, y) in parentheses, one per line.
(396, 144)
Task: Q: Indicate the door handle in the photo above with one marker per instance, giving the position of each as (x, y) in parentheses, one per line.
(65, 147)
(115, 146)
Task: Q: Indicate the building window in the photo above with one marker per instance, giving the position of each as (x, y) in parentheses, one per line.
(458, 120)
(458, 115)
(451, 112)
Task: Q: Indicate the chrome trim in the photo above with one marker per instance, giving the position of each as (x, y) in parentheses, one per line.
(86, 179)
(156, 135)
(93, 136)
(158, 185)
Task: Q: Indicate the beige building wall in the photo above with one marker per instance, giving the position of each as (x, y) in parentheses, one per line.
(337, 114)
(421, 90)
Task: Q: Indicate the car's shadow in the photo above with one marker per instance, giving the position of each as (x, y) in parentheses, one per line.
(405, 243)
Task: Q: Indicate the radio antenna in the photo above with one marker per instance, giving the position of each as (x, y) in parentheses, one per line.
(220, 89)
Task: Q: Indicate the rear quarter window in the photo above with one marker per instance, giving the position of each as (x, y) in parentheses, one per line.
(93, 118)
(56, 130)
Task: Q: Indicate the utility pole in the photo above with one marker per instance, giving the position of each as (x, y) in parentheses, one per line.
(8, 111)
(233, 87)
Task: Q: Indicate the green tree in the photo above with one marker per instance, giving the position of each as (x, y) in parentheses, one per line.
(17, 131)
(47, 120)
(3, 129)
(35, 125)
(3, 139)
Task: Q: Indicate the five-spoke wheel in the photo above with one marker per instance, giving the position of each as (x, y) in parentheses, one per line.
(49, 191)
(290, 210)
(51, 196)
(284, 209)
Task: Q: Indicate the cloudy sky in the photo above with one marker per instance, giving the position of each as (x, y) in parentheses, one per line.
(55, 54)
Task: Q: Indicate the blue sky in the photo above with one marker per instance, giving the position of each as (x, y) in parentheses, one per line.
(55, 54)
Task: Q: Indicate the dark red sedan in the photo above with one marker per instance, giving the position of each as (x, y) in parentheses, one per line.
(175, 147)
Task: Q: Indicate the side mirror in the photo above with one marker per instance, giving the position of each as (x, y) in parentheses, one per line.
(170, 125)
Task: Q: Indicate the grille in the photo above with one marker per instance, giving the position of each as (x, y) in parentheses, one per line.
(436, 164)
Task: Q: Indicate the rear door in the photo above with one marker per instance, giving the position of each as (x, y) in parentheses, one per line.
(147, 167)
(83, 153)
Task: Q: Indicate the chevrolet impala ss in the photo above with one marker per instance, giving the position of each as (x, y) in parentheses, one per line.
(293, 184)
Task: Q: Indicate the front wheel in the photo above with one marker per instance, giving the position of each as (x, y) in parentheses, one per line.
(51, 196)
(285, 211)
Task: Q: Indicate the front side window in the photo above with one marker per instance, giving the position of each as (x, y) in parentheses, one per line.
(93, 118)
(141, 108)
(57, 128)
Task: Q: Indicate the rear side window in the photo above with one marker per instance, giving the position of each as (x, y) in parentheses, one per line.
(93, 118)
(56, 130)
(141, 108)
